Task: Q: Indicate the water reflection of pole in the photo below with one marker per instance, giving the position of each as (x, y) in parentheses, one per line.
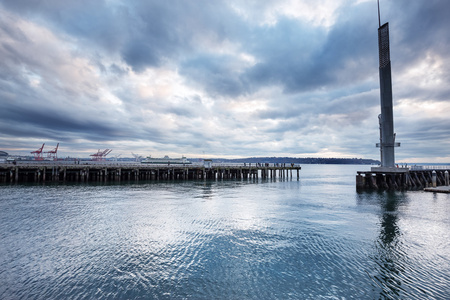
(389, 257)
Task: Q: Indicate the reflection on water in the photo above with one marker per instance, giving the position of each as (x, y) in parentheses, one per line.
(401, 269)
(390, 258)
(313, 238)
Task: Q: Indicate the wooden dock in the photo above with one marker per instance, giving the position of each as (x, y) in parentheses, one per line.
(402, 179)
(61, 171)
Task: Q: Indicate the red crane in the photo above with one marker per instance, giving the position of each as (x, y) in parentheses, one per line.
(100, 155)
(38, 153)
(52, 154)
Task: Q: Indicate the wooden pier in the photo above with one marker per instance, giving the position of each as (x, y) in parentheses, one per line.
(119, 172)
(402, 179)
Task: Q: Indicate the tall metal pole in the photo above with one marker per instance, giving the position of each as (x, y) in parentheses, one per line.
(386, 118)
(379, 20)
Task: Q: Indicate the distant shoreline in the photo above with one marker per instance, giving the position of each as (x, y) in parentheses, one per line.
(296, 160)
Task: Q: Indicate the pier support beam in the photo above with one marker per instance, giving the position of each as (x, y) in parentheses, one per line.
(86, 173)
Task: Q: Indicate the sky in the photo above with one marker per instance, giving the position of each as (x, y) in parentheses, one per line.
(211, 78)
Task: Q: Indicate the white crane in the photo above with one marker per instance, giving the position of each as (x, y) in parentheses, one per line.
(137, 157)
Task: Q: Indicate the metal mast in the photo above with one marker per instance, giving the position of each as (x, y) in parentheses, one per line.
(386, 118)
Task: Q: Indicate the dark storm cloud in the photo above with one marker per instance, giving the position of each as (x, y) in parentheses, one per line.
(420, 27)
(216, 75)
(145, 33)
(141, 33)
(220, 76)
(425, 130)
(290, 53)
(93, 21)
(44, 122)
(303, 57)
(152, 36)
(293, 54)
(297, 56)
(285, 54)
(349, 54)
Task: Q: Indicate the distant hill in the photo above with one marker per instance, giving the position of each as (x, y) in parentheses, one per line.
(296, 160)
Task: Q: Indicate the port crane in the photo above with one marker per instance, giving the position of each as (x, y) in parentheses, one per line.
(52, 154)
(38, 153)
(100, 155)
(137, 157)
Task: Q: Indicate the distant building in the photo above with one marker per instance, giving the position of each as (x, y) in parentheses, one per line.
(3, 156)
(207, 163)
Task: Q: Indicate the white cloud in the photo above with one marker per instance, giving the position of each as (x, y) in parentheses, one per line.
(231, 79)
(319, 13)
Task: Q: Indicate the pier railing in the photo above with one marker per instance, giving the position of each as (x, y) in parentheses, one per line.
(429, 167)
(138, 164)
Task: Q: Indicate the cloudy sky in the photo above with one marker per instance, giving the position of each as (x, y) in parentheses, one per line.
(211, 78)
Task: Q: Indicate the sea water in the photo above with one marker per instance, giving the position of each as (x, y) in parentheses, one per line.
(313, 237)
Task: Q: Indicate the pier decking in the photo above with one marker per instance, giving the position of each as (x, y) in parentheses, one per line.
(60, 171)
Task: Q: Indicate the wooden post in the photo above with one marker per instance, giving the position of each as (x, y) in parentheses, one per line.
(371, 181)
(405, 180)
(433, 178)
(17, 175)
(360, 181)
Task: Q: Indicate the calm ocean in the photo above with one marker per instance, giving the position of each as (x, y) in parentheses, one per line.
(312, 238)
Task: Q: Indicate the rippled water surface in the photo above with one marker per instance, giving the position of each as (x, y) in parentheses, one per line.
(312, 238)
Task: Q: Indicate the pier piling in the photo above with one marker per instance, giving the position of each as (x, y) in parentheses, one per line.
(70, 172)
(402, 179)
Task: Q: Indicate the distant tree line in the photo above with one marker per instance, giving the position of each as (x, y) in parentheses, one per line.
(296, 160)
